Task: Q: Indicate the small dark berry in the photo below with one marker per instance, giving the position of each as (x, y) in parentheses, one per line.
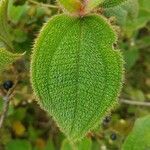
(113, 136)
(7, 85)
(107, 119)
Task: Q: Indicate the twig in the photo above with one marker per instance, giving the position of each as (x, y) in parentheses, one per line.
(43, 5)
(130, 102)
(7, 99)
(5, 109)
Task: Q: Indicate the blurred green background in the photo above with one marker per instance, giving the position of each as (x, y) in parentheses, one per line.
(28, 127)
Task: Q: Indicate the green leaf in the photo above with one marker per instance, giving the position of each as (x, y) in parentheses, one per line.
(142, 19)
(131, 15)
(7, 58)
(85, 144)
(19, 114)
(92, 4)
(49, 145)
(3, 17)
(16, 13)
(95, 145)
(76, 74)
(145, 4)
(19, 35)
(130, 57)
(119, 13)
(126, 11)
(72, 6)
(66, 145)
(18, 144)
(138, 139)
(1, 104)
(4, 34)
(112, 3)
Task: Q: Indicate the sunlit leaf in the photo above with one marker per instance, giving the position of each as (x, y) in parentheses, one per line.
(76, 74)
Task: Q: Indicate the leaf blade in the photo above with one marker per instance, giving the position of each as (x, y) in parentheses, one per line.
(72, 6)
(85, 144)
(4, 34)
(138, 139)
(124, 12)
(7, 58)
(91, 4)
(71, 83)
(112, 3)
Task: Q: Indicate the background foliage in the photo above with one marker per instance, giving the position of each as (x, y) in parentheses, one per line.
(28, 127)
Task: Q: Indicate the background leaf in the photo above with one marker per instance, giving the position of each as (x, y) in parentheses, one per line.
(66, 145)
(90, 5)
(123, 12)
(7, 58)
(50, 145)
(18, 144)
(1, 104)
(15, 13)
(72, 6)
(112, 3)
(4, 33)
(138, 139)
(130, 56)
(85, 144)
(142, 18)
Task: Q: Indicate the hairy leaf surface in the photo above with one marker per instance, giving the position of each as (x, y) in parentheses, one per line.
(7, 58)
(76, 73)
(126, 11)
(139, 138)
(4, 35)
(112, 3)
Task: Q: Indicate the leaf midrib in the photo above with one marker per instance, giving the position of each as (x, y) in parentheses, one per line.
(77, 75)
